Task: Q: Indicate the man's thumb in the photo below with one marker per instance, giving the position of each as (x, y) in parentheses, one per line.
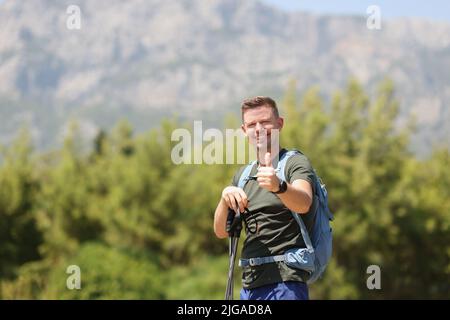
(267, 160)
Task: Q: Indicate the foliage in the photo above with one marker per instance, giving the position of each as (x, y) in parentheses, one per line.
(140, 227)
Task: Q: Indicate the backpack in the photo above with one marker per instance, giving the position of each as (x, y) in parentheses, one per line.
(315, 257)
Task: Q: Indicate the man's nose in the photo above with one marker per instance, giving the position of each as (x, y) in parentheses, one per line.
(258, 127)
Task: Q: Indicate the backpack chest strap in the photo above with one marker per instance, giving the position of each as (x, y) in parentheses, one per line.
(299, 258)
(262, 260)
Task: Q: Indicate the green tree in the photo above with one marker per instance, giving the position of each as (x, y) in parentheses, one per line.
(123, 211)
(19, 236)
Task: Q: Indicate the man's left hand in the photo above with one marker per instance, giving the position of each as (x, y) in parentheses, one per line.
(267, 178)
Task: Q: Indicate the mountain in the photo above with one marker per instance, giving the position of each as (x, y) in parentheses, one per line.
(198, 59)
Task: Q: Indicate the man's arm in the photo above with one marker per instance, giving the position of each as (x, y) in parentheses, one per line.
(220, 220)
(298, 196)
(232, 197)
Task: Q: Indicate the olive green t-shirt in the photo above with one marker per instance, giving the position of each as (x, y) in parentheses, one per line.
(276, 228)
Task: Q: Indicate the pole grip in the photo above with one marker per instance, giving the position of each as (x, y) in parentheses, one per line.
(234, 223)
(230, 219)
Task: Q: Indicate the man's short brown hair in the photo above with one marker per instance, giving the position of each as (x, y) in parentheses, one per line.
(259, 101)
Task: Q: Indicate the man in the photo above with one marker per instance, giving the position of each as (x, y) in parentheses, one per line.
(270, 202)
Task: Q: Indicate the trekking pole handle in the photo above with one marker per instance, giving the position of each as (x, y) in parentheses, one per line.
(230, 219)
(234, 223)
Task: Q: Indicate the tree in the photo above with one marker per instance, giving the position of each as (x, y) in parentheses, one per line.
(19, 236)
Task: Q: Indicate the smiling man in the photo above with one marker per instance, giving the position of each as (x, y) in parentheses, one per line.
(270, 203)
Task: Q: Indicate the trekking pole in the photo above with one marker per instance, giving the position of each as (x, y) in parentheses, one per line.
(234, 227)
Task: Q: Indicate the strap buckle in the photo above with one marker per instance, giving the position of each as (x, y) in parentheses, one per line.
(252, 262)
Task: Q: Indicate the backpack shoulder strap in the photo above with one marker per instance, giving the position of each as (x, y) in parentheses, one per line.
(281, 175)
(245, 175)
(280, 170)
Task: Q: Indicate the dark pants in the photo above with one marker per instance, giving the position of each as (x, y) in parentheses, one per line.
(289, 290)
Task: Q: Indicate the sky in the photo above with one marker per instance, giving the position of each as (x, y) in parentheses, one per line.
(430, 9)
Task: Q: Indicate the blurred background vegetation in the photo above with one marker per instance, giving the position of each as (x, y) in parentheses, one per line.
(140, 227)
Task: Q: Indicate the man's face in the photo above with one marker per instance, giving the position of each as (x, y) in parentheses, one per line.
(258, 125)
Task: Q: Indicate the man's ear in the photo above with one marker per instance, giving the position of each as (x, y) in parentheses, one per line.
(280, 122)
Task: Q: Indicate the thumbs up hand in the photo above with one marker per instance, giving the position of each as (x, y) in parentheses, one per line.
(266, 176)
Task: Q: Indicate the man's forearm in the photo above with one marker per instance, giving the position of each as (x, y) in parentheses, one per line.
(296, 200)
(220, 219)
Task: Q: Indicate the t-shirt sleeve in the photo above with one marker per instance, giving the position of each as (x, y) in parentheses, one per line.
(299, 167)
(234, 181)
